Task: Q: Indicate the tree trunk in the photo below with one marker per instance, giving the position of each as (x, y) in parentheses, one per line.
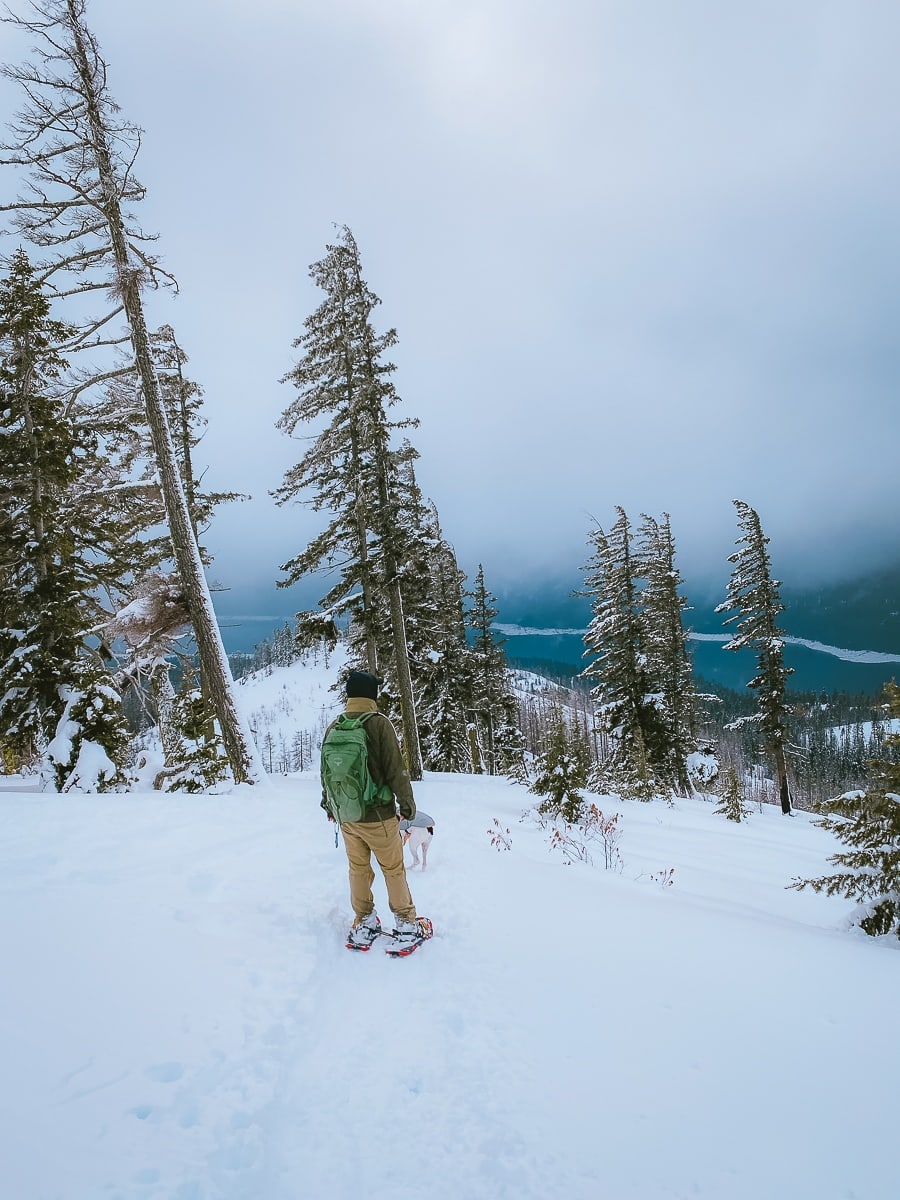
(398, 629)
(239, 746)
(404, 682)
(784, 791)
(359, 509)
(163, 695)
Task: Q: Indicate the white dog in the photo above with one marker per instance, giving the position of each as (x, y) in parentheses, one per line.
(417, 835)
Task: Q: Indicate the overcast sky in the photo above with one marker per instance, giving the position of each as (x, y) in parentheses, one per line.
(637, 253)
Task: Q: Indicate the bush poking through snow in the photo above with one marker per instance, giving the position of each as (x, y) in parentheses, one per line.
(501, 838)
(574, 839)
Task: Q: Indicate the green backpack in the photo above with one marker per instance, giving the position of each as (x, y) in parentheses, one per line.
(349, 788)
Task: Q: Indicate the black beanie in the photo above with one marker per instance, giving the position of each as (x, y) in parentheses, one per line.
(361, 683)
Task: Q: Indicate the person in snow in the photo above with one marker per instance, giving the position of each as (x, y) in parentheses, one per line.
(378, 832)
(417, 835)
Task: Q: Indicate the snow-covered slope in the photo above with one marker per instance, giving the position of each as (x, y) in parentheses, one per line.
(179, 1019)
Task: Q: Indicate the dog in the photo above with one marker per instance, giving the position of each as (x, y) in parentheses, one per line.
(417, 836)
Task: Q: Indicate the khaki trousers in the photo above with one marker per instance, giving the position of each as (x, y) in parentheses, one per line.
(362, 839)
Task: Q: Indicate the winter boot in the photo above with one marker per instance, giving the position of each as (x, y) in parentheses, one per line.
(418, 930)
(363, 932)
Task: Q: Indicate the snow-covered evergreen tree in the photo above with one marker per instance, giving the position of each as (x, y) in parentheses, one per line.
(154, 622)
(344, 381)
(89, 748)
(53, 547)
(628, 710)
(199, 761)
(492, 705)
(667, 661)
(561, 769)
(754, 600)
(443, 667)
(732, 802)
(868, 823)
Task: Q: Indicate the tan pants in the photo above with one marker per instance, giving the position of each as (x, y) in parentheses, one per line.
(362, 839)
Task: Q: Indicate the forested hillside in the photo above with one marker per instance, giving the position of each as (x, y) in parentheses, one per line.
(108, 638)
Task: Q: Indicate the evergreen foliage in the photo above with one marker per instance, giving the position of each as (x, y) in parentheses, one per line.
(753, 598)
(199, 760)
(561, 770)
(732, 803)
(666, 658)
(630, 710)
(868, 822)
(441, 661)
(344, 385)
(494, 731)
(52, 545)
(89, 749)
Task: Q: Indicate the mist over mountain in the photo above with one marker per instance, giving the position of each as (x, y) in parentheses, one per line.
(861, 613)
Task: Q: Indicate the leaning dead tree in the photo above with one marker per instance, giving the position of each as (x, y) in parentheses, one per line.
(78, 159)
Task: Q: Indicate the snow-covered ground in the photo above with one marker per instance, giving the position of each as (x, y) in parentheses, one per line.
(179, 1019)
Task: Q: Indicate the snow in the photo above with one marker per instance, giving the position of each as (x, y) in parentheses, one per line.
(179, 1019)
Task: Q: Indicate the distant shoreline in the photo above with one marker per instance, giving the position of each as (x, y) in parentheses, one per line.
(859, 656)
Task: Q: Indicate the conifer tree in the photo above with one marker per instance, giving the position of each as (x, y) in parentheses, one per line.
(52, 549)
(732, 803)
(197, 762)
(156, 620)
(868, 823)
(615, 640)
(42, 605)
(561, 770)
(89, 748)
(342, 378)
(444, 667)
(753, 598)
(79, 156)
(667, 661)
(491, 702)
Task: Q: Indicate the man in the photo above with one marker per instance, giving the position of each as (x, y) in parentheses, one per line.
(378, 832)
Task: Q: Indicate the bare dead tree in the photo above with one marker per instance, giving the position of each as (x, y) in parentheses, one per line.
(78, 157)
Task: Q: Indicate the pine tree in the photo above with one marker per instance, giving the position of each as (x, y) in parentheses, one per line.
(89, 748)
(869, 824)
(342, 378)
(492, 705)
(80, 158)
(753, 597)
(155, 620)
(561, 770)
(42, 611)
(198, 762)
(443, 661)
(667, 661)
(732, 803)
(52, 549)
(615, 640)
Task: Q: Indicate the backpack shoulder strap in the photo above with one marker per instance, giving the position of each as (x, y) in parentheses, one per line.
(346, 722)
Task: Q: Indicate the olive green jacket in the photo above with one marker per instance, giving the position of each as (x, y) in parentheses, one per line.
(386, 763)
